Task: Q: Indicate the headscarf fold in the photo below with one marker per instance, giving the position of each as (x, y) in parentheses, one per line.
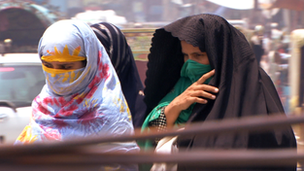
(244, 88)
(123, 61)
(94, 104)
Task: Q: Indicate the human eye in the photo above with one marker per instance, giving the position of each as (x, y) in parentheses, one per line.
(47, 65)
(200, 55)
(68, 67)
(197, 55)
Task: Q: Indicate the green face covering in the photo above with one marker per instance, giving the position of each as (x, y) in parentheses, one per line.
(190, 73)
(194, 70)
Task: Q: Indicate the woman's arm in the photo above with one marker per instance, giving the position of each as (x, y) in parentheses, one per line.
(198, 92)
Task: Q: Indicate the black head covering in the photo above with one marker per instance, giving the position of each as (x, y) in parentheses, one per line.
(245, 89)
(122, 59)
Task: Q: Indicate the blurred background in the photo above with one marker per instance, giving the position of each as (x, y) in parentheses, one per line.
(274, 28)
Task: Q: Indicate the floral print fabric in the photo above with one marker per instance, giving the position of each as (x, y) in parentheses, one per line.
(93, 104)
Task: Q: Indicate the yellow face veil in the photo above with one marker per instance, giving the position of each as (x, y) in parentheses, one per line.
(63, 56)
(68, 49)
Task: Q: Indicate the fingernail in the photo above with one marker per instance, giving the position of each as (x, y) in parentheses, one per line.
(213, 97)
(216, 90)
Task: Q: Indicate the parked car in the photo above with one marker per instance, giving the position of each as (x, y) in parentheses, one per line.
(21, 80)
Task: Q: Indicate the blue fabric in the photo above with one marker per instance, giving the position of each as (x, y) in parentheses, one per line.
(94, 104)
(123, 61)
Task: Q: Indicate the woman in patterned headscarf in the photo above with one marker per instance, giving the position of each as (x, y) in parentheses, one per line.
(123, 61)
(82, 96)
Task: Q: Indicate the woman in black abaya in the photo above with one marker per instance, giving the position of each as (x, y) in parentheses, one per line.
(123, 61)
(244, 88)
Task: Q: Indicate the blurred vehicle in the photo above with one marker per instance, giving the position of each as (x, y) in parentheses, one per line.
(21, 80)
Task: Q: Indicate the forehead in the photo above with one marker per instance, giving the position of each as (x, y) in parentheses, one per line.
(186, 47)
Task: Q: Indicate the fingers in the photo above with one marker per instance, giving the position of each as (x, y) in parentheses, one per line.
(205, 77)
(191, 100)
(199, 92)
(203, 94)
(201, 101)
(205, 87)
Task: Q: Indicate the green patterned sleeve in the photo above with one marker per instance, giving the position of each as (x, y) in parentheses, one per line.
(156, 116)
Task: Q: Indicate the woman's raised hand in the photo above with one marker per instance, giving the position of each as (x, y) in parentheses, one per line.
(198, 92)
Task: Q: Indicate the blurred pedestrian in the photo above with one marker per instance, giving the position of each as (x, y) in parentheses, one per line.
(257, 42)
(123, 61)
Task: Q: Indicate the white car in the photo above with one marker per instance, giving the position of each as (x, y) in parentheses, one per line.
(21, 80)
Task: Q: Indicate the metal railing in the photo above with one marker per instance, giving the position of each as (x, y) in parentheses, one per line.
(84, 153)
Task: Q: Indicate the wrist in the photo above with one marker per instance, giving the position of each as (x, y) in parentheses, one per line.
(171, 112)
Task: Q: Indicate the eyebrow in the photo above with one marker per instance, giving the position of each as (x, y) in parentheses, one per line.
(195, 53)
